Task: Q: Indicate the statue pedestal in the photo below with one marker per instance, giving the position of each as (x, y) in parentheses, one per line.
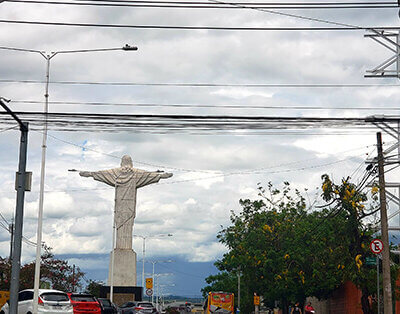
(122, 294)
(124, 268)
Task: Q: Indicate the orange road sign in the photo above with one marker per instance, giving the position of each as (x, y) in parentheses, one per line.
(149, 283)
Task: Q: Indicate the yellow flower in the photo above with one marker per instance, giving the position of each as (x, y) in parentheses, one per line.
(286, 256)
(374, 189)
(358, 261)
(267, 228)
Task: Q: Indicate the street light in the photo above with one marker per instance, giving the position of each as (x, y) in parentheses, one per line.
(157, 283)
(144, 248)
(48, 57)
(155, 262)
(19, 210)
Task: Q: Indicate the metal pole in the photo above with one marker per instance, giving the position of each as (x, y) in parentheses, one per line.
(41, 191)
(144, 254)
(377, 284)
(19, 216)
(112, 265)
(153, 282)
(157, 292)
(387, 287)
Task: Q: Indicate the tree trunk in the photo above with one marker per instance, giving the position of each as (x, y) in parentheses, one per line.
(366, 306)
(285, 307)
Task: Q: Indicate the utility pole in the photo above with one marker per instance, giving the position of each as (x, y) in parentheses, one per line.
(19, 210)
(387, 287)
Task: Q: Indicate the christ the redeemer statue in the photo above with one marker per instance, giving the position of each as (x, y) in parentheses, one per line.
(126, 181)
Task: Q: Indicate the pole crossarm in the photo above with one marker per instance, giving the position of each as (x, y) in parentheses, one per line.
(390, 40)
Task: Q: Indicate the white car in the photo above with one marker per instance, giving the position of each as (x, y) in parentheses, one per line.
(50, 302)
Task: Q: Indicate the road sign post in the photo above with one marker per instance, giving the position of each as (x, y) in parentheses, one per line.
(256, 304)
(376, 247)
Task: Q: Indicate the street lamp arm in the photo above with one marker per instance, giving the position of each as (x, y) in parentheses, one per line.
(22, 126)
(21, 49)
(125, 48)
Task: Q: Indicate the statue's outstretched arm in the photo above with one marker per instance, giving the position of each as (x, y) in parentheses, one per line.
(85, 173)
(166, 175)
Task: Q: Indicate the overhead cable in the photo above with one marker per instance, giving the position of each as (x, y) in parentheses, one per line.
(165, 122)
(193, 106)
(177, 84)
(207, 5)
(172, 27)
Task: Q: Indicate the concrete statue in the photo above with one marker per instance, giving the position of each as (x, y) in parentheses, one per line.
(126, 181)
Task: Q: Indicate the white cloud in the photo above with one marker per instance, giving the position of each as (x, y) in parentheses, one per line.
(211, 172)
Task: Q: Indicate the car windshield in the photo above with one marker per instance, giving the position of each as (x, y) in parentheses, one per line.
(54, 296)
(82, 298)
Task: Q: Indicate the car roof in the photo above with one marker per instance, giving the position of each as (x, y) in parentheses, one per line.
(44, 290)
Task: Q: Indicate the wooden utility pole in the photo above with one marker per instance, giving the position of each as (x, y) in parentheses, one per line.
(387, 287)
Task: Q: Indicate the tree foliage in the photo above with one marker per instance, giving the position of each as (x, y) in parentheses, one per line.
(287, 251)
(356, 207)
(283, 251)
(54, 273)
(94, 287)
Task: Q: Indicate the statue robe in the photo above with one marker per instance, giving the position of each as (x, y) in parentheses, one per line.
(126, 181)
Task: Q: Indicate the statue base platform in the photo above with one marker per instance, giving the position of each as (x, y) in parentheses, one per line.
(124, 268)
(122, 294)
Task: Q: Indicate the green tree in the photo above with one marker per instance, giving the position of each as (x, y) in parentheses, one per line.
(284, 252)
(54, 272)
(356, 206)
(94, 287)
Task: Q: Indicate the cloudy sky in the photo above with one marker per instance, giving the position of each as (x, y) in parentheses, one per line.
(212, 170)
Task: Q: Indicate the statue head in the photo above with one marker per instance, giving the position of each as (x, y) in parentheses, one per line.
(126, 161)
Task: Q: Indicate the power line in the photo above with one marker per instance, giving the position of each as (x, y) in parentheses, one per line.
(207, 5)
(382, 108)
(183, 123)
(259, 85)
(169, 27)
(7, 228)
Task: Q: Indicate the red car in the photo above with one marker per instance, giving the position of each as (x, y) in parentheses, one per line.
(84, 303)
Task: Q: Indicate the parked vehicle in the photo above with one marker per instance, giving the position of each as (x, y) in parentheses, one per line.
(84, 303)
(178, 307)
(50, 302)
(107, 307)
(220, 302)
(198, 308)
(137, 307)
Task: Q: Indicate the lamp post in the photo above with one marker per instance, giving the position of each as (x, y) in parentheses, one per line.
(19, 210)
(48, 57)
(154, 263)
(157, 285)
(144, 248)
